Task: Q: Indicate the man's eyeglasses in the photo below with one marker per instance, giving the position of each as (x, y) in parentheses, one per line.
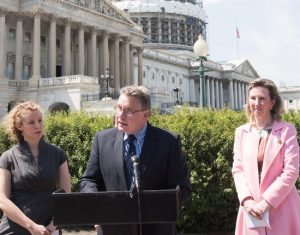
(126, 112)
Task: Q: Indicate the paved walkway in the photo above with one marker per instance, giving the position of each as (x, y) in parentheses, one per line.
(82, 232)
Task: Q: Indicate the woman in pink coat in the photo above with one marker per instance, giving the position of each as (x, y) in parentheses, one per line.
(266, 166)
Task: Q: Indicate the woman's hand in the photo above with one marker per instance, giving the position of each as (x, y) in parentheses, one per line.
(251, 208)
(262, 206)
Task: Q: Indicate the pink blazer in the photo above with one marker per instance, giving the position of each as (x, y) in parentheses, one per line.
(279, 174)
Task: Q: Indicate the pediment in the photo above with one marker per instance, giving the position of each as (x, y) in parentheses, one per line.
(241, 66)
(246, 68)
(104, 7)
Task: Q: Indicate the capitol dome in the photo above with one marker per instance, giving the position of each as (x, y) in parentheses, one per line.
(167, 24)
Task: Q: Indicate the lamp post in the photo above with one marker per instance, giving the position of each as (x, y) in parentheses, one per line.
(177, 89)
(201, 51)
(107, 77)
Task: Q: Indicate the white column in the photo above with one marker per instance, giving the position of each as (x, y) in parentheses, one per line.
(231, 94)
(94, 53)
(52, 49)
(201, 92)
(240, 95)
(81, 58)
(243, 94)
(192, 91)
(213, 91)
(104, 54)
(131, 73)
(67, 49)
(19, 49)
(178, 33)
(169, 30)
(127, 61)
(117, 63)
(246, 92)
(140, 65)
(159, 28)
(217, 94)
(236, 104)
(111, 49)
(208, 92)
(2, 49)
(185, 33)
(123, 81)
(36, 60)
(221, 95)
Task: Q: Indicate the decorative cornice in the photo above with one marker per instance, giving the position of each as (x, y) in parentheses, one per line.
(36, 10)
(3, 11)
(140, 49)
(158, 58)
(67, 21)
(115, 36)
(127, 39)
(53, 17)
(103, 7)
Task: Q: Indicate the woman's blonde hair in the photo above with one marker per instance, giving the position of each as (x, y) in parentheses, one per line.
(277, 109)
(15, 118)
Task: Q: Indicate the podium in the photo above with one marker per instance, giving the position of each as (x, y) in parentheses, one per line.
(116, 207)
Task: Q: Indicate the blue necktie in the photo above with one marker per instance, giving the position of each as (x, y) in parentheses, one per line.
(129, 152)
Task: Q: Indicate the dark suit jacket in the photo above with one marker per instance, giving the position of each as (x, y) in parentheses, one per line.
(162, 166)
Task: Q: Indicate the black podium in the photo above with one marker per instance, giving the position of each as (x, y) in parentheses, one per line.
(116, 207)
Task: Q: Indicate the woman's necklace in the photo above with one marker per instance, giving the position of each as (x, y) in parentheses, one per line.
(264, 131)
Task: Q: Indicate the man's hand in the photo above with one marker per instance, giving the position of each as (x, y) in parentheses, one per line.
(39, 230)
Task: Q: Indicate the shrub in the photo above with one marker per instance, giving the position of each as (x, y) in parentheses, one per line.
(74, 133)
(207, 139)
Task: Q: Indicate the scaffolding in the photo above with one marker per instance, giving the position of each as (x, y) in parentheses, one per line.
(163, 28)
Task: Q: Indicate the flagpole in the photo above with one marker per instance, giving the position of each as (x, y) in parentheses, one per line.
(237, 48)
(237, 42)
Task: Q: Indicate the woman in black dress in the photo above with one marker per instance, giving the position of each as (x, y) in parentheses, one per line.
(29, 172)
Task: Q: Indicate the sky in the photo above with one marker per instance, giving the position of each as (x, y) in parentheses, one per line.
(269, 36)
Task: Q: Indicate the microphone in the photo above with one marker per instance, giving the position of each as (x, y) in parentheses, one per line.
(135, 162)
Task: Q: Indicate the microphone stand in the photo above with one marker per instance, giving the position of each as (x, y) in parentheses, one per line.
(136, 186)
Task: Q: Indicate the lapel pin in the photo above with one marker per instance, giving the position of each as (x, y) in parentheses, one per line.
(279, 142)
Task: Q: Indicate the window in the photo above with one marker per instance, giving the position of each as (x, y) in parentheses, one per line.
(10, 66)
(144, 74)
(26, 72)
(57, 43)
(27, 62)
(43, 41)
(11, 33)
(290, 101)
(173, 80)
(162, 78)
(180, 81)
(10, 71)
(27, 37)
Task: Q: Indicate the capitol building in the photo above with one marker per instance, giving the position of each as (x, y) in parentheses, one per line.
(77, 54)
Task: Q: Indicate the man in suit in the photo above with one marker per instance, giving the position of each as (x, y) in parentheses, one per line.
(161, 162)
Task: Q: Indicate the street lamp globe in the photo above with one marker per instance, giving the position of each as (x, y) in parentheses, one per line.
(201, 51)
(200, 47)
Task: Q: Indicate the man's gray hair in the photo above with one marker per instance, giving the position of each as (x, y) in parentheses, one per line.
(139, 92)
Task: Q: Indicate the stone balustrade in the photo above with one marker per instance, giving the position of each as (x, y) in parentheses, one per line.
(53, 81)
